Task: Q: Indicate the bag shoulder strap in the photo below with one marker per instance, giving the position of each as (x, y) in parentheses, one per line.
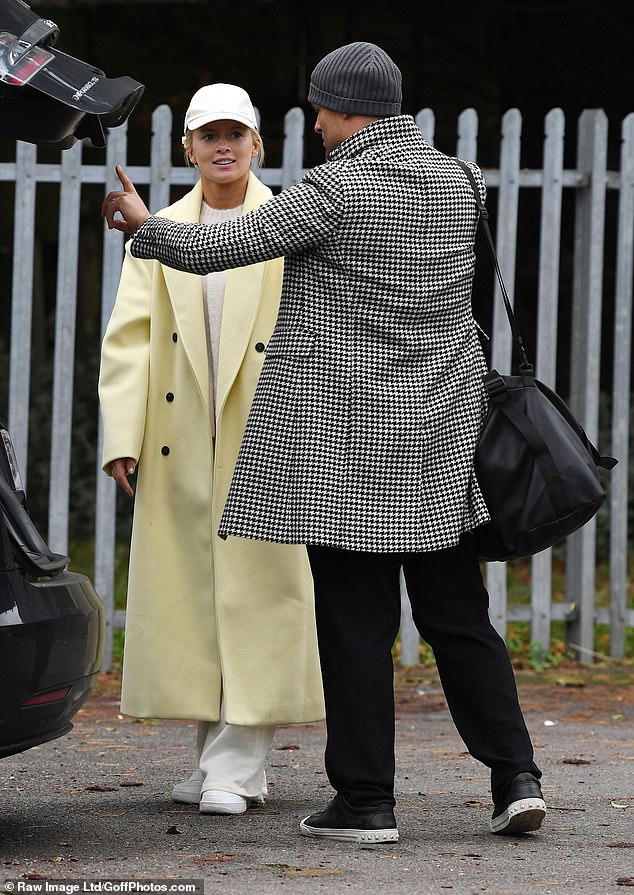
(483, 216)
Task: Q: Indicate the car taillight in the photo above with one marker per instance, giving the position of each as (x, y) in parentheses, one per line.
(19, 63)
(51, 696)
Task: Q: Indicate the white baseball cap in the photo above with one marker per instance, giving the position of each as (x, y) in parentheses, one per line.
(217, 102)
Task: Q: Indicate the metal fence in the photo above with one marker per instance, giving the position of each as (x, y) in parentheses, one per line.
(591, 182)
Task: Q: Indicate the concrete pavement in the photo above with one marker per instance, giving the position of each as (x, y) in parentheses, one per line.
(95, 804)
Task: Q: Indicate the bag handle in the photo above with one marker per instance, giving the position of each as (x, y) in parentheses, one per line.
(483, 215)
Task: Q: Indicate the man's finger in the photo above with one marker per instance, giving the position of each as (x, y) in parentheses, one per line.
(126, 183)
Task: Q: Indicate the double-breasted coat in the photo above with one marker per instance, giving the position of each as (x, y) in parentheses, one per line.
(204, 615)
(364, 424)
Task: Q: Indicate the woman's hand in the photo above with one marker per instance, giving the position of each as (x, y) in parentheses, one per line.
(128, 203)
(120, 470)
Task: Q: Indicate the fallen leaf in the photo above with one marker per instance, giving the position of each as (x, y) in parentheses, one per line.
(56, 859)
(625, 881)
(620, 845)
(174, 830)
(618, 805)
(476, 804)
(287, 746)
(576, 761)
(131, 783)
(294, 872)
(210, 859)
(33, 874)
(101, 787)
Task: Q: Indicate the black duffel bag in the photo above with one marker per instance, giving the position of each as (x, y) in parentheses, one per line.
(536, 468)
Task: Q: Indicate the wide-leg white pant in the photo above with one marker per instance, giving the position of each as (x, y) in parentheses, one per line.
(231, 757)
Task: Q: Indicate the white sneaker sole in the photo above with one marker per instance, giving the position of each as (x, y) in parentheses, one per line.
(220, 808)
(390, 835)
(522, 816)
(192, 797)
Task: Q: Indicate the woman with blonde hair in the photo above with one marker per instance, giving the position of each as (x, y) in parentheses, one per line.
(217, 631)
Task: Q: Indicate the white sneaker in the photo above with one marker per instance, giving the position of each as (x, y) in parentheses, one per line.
(189, 790)
(216, 801)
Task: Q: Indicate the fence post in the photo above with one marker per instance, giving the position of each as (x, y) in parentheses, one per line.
(621, 394)
(501, 354)
(160, 158)
(409, 637)
(426, 123)
(293, 151)
(585, 357)
(21, 302)
(106, 497)
(547, 314)
(467, 147)
(64, 358)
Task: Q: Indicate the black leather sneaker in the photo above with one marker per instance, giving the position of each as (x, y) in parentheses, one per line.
(375, 823)
(521, 807)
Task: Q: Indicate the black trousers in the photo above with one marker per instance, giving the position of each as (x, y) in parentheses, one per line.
(357, 603)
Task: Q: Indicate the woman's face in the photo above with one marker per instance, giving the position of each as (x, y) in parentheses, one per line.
(223, 151)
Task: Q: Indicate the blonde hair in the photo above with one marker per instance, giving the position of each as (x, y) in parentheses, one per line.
(255, 136)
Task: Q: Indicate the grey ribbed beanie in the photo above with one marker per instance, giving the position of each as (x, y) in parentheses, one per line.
(359, 78)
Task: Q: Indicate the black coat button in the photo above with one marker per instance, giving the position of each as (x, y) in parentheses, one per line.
(174, 337)
(165, 450)
(259, 347)
(169, 397)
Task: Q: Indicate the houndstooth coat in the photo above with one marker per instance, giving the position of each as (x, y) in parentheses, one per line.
(364, 423)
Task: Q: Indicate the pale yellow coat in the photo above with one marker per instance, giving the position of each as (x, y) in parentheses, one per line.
(203, 615)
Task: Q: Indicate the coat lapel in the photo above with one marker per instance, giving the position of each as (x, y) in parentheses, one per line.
(242, 301)
(241, 304)
(185, 292)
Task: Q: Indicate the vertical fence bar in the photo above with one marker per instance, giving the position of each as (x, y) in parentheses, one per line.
(501, 352)
(64, 359)
(467, 147)
(22, 302)
(547, 316)
(621, 394)
(426, 123)
(293, 151)
(585, 357)
(160, 158)
(409, 637)
(106, 498)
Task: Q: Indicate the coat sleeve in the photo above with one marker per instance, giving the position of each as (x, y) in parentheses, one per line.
(297, 219)
(124, 371)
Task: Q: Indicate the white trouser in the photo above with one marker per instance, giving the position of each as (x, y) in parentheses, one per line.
(231, 757)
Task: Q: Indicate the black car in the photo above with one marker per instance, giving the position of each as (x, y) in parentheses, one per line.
(52, 625)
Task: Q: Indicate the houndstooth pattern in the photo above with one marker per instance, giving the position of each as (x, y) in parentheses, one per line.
(364, 423)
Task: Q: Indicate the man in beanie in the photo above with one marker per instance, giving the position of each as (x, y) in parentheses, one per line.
(363, 428)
